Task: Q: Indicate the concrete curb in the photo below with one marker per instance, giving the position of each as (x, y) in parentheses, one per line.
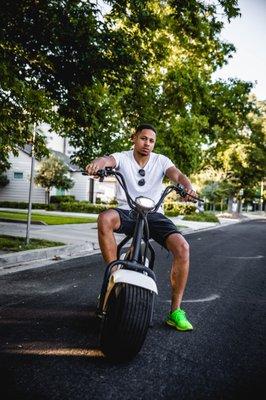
(19, 221)
(51, 253)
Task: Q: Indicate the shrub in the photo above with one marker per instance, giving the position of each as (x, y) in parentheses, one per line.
(51, 207)
(204, 217)
(38, 206)
(61, 199)
(113, 202)
(174, 209)
(3, 180)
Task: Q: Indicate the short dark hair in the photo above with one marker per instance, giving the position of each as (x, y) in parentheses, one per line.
(145, 126)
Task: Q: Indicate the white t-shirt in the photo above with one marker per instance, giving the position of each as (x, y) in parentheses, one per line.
(154, 173)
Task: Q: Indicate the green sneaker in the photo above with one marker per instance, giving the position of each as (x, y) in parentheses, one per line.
(178, 320)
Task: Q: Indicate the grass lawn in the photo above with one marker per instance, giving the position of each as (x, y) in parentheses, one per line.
(13, 243)
(48, 219)
(202, 217)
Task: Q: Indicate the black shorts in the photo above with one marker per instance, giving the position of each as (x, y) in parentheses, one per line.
(160, 226)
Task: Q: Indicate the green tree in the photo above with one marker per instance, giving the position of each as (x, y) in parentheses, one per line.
(236, 168)
(94, 77)
(243, 161)
(51, 54)
(180, 49)
(53, 173)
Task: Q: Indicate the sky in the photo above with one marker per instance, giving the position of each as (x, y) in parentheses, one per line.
(248, 34)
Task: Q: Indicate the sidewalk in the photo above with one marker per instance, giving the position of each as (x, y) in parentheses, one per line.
(80, 239)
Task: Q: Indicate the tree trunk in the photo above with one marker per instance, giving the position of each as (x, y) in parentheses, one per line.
(239, 206)
(230, 204)
(47, 196)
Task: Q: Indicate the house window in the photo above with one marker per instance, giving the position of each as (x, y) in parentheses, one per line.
(60, 192)
(18, 175)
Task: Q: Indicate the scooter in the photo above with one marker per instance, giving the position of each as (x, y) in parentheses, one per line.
(127, 298)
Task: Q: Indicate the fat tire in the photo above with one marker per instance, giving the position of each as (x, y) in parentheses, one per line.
(126, 321)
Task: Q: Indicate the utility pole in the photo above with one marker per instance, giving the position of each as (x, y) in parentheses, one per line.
(31, 184)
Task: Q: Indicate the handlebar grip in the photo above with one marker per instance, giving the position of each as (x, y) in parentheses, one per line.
(86, 173)
(183, 193)
(181, 190)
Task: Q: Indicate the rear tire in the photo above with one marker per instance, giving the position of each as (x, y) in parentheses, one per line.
(127, 319)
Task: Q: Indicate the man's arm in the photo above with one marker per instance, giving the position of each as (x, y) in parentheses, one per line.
(100, 163)
(177, 176)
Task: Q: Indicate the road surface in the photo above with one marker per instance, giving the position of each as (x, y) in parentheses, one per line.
(48, 329)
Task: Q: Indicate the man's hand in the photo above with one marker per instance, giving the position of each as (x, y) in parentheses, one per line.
(178, 177)
(188, 198)
(95, 165)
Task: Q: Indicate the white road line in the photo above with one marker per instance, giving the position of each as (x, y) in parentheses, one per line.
(209, 298)
(247, 258)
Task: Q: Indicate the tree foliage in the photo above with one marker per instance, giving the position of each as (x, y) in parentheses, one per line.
(53, 172)
(236, 163)
(243, 160)
(93, 77)
(3, 180)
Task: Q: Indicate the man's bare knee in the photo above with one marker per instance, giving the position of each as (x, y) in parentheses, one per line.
(108, 220)
(178, 246)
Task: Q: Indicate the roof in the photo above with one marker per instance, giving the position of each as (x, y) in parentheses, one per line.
(27, 149)
(72, 167)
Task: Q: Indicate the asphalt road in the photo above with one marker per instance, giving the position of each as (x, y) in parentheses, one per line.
(48, 330)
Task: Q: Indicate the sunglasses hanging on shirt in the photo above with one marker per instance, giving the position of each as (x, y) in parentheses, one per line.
(141, 182)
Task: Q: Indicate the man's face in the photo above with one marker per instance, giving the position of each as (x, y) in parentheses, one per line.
(144, 142)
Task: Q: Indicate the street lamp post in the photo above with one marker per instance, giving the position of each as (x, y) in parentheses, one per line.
(261, 195)
(241, 192)
(31, 185)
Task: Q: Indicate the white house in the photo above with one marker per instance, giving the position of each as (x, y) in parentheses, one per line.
(19, 180)
(84, 188)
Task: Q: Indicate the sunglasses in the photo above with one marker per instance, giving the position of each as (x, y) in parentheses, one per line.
(141, 182)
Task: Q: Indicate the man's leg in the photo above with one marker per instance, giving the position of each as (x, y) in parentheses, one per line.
(108, 221)
(180, 267)
(179, 274)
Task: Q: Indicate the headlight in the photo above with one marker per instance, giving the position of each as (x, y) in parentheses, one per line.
(145, 203)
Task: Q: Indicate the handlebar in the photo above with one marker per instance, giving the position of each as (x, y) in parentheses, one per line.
(180, 189)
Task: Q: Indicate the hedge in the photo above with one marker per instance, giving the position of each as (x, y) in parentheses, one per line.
(174, 209)
(170, 209)
(21, 204)
(83, 206)
(61, 199)
(71, 206)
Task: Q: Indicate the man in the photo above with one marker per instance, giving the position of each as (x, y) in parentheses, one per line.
(144, 171)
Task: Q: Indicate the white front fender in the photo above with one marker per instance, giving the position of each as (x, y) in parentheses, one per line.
(131, 277)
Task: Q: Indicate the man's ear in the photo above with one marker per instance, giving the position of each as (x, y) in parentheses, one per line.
(133, 137)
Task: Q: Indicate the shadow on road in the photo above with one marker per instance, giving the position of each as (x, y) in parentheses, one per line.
(51, 330)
